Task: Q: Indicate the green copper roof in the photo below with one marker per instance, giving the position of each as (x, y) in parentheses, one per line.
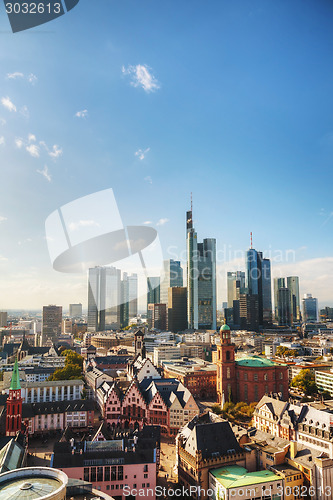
(224, 328)
(237, 477)
(255, 361)
(15, 382)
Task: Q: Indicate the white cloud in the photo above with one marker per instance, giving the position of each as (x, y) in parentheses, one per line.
(2, 122)
(31, 138)
(2, 140)
(8, 104)
(2, 258)
(82, 114)
(24, 111)
(56, 152)
(32, 79)
(2, 219)
(33, 150)
(45, 173)
(73, 226)
(147, 222)
(14, 76)
(19, 142)
(141, 77)
(148, 179)
(141, 153)
(161, 222)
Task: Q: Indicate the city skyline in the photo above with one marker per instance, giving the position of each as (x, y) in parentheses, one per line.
(232, 102)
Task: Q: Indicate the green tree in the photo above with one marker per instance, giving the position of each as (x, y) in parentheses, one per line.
(216, 409)
(284, 352)
(72, 358)
(70, 372)
(305, 381)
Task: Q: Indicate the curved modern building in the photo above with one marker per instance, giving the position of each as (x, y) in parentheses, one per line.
(32, 483)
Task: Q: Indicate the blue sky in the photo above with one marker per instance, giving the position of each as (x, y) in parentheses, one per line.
(230, 100)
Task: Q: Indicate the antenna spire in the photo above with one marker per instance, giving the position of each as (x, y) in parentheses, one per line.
(251, 239)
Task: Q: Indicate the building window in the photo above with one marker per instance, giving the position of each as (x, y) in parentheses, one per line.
(256, 393)
(255, 376)
(227, 355)
(245, 392)
(228, 372)
(265, 376)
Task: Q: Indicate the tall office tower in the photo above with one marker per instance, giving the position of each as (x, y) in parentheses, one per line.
(51, 327)
(201, 279)
(3, 318)
(75, 310)
(310, 308)
(124, 302)
(177, 310)
(192, 272)
(293, 285)
(284, 311)
(207, 284)
(249, 312)
(133, 295)
(173, 276)
(235, 286)
(254, 278)
(129, 298)
(157, 316)
(266, 292)
(278, 283)
(153, 290)
(104, 299)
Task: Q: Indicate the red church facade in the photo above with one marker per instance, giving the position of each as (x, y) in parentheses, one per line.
(247, 379)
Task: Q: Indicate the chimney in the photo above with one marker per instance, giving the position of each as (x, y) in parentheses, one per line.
(293, 449)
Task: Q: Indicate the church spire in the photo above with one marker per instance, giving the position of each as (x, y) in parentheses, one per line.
(15, 381)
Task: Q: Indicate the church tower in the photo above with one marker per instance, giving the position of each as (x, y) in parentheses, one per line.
(139, 344)
(226, 385)
(14, 404)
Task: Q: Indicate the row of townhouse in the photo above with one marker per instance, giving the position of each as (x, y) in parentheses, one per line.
(164, 402)
(308, 424)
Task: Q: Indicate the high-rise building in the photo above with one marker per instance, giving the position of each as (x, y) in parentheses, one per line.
(104, 298)
(278, 283)
(207, 284)
(249, 312)
(3, 318)
(266, 291)
(153, 290)
(192, 272)
(293, 286)
(235, 286)
(310, 308)
(51, 324)
(173, 276)
(177, 311)
(284, 310)
(129, 298)
(75, 310)
(201, 280)
(254, 279)
(157, 316)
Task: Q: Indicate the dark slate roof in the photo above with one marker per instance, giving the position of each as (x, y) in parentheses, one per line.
(32, 409)
(112, 360)
(211, 438)
(10, 348)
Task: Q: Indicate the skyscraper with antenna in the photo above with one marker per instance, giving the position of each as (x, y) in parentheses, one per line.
(201, 279)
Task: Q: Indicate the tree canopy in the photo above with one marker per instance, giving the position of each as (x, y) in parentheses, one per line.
(285, 352)
(73, 367)
(305, 381)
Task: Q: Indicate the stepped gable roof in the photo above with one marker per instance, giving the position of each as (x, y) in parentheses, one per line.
(169, 389)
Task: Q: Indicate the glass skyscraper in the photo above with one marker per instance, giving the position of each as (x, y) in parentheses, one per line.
(104, 298)
(310, 308)
(173, 276)
(293, 286)
(266, 291)
(201, 280)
